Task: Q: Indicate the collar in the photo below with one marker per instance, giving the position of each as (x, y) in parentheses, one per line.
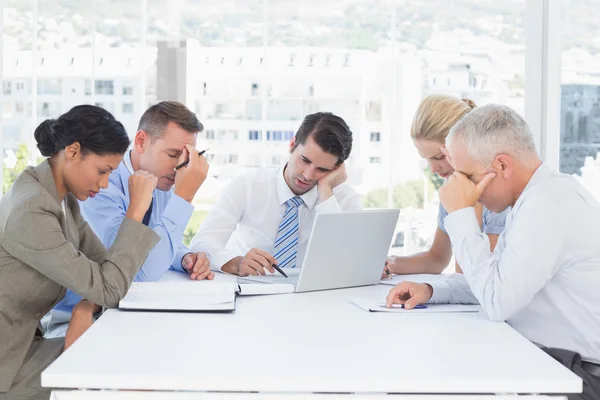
(542, 173)
(44, 175)
(284, 193)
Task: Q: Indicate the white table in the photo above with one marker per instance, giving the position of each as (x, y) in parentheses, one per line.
(113, 395)
(309, 342)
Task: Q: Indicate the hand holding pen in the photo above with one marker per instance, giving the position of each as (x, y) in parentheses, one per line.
(189, 179)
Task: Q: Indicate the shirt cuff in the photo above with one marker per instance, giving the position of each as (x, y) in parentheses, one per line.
(441, 292)
(177, 261)
(221, 258)
(179, 211)
(328, 206)
(461, 223)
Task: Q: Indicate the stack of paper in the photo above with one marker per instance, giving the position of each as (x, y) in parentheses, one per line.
(419, 278)
(368, 304)
(180, 296)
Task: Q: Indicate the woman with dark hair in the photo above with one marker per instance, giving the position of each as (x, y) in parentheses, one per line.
(47, 247)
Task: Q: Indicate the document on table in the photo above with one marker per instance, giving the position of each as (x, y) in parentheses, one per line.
(419, 278)
(180, 296)
(269, 283)
(377, 305)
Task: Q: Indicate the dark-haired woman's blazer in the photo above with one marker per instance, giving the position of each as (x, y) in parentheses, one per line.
(43, 251)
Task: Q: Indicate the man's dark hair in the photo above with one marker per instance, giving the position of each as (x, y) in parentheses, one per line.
(156, 118)
(330, 133)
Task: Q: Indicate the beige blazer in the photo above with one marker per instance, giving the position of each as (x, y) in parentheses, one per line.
(44, 250)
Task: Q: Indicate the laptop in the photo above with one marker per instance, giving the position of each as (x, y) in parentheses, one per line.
(345, 249)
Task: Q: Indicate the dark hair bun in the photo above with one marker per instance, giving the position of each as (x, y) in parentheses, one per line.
(46, 138)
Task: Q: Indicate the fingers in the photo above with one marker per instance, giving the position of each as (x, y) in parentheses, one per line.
(193, 156)
(253, 267)
(188, 261)
(398, 294)
(201, 269)
(484, 182)
(184, 156)
(201, 275)
(264, 259)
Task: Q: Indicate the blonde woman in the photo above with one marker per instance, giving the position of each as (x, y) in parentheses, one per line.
(431, 124)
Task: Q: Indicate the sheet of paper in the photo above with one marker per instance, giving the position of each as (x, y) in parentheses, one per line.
(419, 278)
(253, 289)
(275, 278)
(182, 296)
(376, 305)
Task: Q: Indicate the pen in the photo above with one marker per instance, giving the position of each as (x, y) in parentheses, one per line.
(186, 162)
(279, 270)
(417, 307)
(387, 272)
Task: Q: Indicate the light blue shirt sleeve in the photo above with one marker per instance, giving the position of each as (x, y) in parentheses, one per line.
(440, 218)
(105, 212)
(178, 260)
(493, 223)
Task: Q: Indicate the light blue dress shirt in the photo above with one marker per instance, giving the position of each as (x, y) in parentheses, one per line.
(170, 216)
(492, 223)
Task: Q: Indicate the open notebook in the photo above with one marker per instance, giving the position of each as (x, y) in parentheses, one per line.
(180, 296)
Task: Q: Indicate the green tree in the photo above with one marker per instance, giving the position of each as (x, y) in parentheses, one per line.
(435, 179)
(10, 174)
(196, 220)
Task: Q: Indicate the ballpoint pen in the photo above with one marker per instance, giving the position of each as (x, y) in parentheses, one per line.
(279, 270)
(186, 162)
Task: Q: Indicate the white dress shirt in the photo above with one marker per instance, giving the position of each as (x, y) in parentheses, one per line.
(543, 277)
(248, 213)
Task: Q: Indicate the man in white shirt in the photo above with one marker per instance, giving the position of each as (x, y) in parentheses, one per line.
(543, 277)
(265, 217)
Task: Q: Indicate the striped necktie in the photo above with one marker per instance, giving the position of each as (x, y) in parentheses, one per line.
(286, 242)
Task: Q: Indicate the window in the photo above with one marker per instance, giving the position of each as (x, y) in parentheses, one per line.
(127, 108)
(105, 87)
(370, 63)
(107, 105)
(255, 92)
(48, 109)
(373, 110)
(580, 93)
(233, 134)
(7, 87)
(49, 86)
(7, 109)
(88, 87)
(255, 135)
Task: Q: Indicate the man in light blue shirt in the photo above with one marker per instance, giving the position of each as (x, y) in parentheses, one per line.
(166, 137)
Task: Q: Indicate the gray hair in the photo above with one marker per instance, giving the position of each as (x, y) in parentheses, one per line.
(491, 130)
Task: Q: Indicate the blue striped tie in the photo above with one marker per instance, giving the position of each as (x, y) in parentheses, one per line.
(286, 242)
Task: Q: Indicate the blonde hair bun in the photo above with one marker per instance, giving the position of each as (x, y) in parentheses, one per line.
(469, 102)
(436, 114)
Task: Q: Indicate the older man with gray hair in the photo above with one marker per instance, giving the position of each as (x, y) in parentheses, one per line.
(543, 278)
